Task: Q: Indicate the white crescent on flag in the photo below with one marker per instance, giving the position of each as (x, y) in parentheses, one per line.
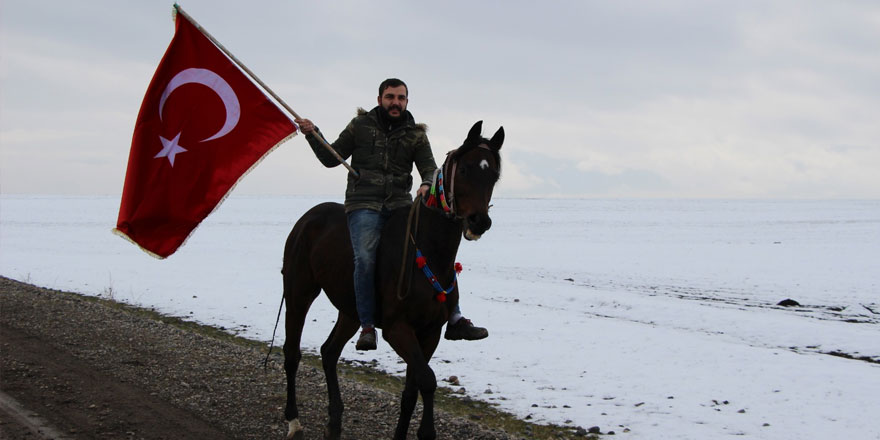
(215, 83)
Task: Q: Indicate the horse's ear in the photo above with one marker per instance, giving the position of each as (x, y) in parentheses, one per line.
(474, 136)
(497, 139)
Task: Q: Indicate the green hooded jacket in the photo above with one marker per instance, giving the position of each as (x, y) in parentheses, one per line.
(383, 156)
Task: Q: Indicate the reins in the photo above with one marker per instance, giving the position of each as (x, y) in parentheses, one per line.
(412, 231)
(447, 204)
(410, 235)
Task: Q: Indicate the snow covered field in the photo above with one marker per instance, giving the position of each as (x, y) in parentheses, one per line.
(651, 318)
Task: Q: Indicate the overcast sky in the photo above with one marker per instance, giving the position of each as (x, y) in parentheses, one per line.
(727, 99)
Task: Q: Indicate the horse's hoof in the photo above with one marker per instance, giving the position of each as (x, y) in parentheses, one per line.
(332, 433)
(427, 434)
(295, 430)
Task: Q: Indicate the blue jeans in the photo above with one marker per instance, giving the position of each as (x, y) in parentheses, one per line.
(365, 227)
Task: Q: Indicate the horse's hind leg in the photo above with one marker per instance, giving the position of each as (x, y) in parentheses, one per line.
(342, 332)
(299, 295)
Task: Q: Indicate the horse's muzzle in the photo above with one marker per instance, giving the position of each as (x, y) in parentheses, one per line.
(476, 225)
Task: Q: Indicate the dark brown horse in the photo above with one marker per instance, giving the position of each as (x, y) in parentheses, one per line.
(318, 256)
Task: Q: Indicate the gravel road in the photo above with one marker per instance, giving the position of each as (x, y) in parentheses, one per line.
(83, 369)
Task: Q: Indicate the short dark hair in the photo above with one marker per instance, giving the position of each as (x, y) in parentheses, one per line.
(392, 82)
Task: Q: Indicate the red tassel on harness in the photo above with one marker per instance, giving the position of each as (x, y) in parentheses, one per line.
(421, 262)
(458, 267)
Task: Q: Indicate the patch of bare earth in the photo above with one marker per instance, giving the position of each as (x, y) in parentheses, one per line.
(92, 371)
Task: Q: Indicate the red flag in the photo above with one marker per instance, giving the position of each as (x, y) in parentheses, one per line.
(203, 124)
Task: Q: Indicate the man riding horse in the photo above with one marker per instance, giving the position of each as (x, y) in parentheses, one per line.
(383, 143)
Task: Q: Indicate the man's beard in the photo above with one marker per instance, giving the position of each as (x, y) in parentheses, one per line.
(387, 114)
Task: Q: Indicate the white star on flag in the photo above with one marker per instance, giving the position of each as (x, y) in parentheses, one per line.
(171, 148)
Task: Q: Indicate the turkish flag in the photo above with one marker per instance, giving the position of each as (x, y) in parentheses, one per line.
(202, 125)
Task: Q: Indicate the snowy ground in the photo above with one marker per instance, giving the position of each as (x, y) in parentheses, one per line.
(653, 318)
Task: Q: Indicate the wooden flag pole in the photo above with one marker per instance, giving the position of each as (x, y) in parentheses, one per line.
(323, 141)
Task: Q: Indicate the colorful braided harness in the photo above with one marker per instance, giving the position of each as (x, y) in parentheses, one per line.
(422, 263)
(437, 192)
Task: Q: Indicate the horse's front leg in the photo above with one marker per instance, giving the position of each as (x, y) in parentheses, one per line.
(407, 404)
(428, 344)
(419, 379)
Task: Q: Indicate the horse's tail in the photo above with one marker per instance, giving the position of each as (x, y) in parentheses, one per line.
(272, 342)
(286, 271)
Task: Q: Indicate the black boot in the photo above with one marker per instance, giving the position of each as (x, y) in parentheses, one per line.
(465, 329)
(367, 340)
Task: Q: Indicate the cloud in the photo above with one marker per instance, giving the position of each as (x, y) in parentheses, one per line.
(517, 180)
(673, 99)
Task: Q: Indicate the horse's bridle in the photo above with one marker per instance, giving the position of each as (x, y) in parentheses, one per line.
(450, 177)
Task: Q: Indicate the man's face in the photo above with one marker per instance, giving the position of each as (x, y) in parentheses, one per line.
(394, 100)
